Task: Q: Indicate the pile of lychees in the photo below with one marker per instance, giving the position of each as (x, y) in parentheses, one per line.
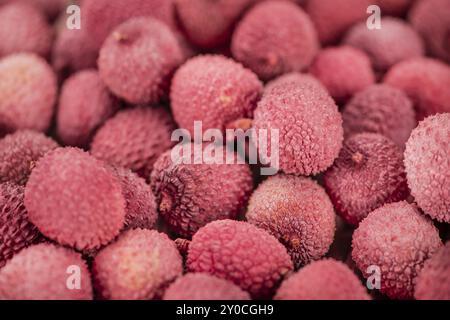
(94, 206)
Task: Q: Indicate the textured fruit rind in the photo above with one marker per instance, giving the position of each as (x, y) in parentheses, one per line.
(74, 199)
(134, 139)
(433, 282)
(42, 272)
(242, 253)
(273, 38)
(189, 196)
(368, 173)
(380, 109)
(215, 90)
(202, 286)
(298, 212)
(323, 280)
(16, 231)
(428, 167)
(139, 265)
(397, 239)
(308, 122)
(19, 152)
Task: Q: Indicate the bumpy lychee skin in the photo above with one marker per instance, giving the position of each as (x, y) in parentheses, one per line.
(16, 231)
(433, 282)
(23, 28)
(394, 7)
(242, 253)
(396, 41)
(84, 104)
(42, 272)
(51, 8)
(432, 19)
(333, 17)
(27, 93)
(397, 239)
(139, 265)
(378, 109)
(134, 139)
(308, 122)
(343, 71)
(428, 168)
(72, 50)
(74, 199)
(19, 152)
(140, 203)
(138, 58)
(368, 173)
(425, 81)
(190, 195)
(323, 280)
(298, 212)
(102, 16)
(274, 38)
(215, 90)
(202, 286)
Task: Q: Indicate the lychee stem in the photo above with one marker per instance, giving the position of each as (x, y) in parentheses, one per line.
(357, 157)
(166, 202)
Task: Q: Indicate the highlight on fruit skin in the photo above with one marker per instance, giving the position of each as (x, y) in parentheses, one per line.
(398, 240)
(326, 279)
(138, 266)
(242, 253)
(368, 173)
(190, 195)
(41, 272)
(298, 212)
(428, 168)
(85, 211)
(202, 286)
(17, 232)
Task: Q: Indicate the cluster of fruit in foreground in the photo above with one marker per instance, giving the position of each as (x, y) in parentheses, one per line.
(87, 179)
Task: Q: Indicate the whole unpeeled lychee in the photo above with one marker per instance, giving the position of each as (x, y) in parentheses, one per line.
(242, 253)
(23, 28)
(27, 93)
(202, 286)
(214, 90)
(273, 38)
(43, 272)
(298, 212)
(16, 231)
(343, 71)
(139, 265)
(428, 167)
(84, 104)
(138, 59)
(74, 199)
(425, 81)
(191, 194)
(396, 240)
(323, 280)
(380, 109)
(307, 121)
(19, 152)
(368, 173)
